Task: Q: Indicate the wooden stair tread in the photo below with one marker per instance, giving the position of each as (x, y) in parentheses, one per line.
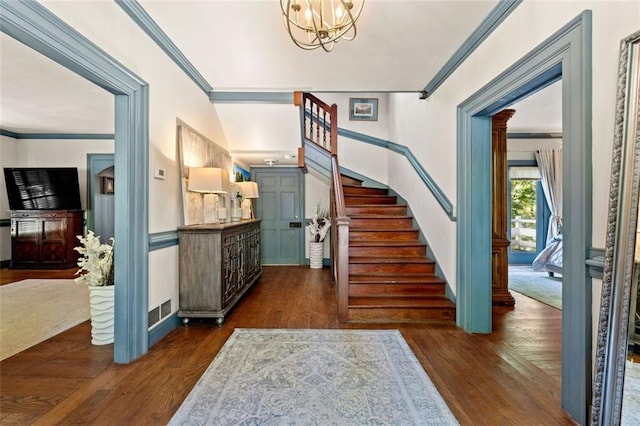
(390, 277)
(391, 231)
(390, 259)
(394, 279)
(382, 206)
(379, 216)
(432, 302)
(379, 243)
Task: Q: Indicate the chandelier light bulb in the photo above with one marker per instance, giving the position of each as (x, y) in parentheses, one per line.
(323, 23)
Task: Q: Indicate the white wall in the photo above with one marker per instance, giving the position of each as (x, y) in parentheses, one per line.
(316, 194)
(8, 155)
(172, 95)
(428, 127)
(45, 153)
(366, 159)
(525, 149)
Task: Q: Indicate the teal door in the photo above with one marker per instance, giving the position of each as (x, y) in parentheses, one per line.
(281, 208)
(100, 201)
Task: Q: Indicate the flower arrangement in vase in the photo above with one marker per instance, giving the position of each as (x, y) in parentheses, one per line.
(319, 227)
(320, 224)
(97, 264)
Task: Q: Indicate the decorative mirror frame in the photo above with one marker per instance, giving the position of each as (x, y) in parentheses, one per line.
(611, 349)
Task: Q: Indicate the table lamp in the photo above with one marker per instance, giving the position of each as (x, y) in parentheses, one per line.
(210, 181)
(249, 191)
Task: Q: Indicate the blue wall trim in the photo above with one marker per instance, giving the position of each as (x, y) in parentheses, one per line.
(566, 54)
(165, 327)
(35, 26)
(9, 133)
(552, 135)
(252, 97)
(160, 240)
(596, 262)
(88, 136)
(403, 150)
(487, 26)
(153, 30)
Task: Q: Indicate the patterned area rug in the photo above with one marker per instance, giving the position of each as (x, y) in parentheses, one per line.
(536, 285)
(631, 395)
(314, 377)
(31, 311)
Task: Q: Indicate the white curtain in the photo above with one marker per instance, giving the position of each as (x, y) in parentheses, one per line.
(550, 164)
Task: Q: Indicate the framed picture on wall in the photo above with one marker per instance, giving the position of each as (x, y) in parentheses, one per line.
(107, 185)
(241, 174)
(363, 109)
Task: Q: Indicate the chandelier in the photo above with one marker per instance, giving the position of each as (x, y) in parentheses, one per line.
(320, 23)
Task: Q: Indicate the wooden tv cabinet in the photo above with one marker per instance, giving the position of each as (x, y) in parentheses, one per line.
(44, 239)
(218, 263)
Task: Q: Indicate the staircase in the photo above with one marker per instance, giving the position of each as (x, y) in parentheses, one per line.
(380, 267)
(391, 279)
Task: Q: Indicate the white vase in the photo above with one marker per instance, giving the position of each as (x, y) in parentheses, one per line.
(316, 254)
(101, 302)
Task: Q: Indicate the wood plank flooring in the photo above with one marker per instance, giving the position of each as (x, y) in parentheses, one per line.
(511, 376)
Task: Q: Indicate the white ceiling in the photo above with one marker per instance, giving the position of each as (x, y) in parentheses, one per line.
(242, 45)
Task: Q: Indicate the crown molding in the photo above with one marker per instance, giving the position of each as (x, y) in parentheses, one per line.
(486, 27)
(153, 30)
(68, 136)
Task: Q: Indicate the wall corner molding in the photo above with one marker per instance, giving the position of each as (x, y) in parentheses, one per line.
(140, 16)
(497, 15)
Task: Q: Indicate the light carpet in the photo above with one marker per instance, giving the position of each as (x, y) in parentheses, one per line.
(31, 311)
(536, 285)
(314, 377)
(631, 395)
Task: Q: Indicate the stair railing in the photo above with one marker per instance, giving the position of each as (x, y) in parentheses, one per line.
(320, 126)
(320, 123)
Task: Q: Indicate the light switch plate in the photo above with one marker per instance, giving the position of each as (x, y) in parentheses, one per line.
(158, 173)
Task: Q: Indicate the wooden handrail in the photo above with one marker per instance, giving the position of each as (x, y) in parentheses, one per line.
(340, 241)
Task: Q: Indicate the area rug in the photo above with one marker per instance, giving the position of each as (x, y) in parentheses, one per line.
(631, 395)
(536, 285)
(314, 377)
(31, 311)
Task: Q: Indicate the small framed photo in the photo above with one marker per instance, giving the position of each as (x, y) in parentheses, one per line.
(363, 109)
(107, 185)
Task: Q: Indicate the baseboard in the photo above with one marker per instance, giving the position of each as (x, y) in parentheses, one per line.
(163, 328)
(5, 263)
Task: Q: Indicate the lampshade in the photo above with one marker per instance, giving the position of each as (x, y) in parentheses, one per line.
(320, 23)
(208, 180)
(249, 189)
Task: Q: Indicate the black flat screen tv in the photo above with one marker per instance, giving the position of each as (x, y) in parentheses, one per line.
(42, 188)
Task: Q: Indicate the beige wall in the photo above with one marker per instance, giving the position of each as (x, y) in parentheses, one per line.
(428, 127)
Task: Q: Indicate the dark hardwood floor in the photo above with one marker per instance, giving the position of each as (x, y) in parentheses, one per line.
(511, 376)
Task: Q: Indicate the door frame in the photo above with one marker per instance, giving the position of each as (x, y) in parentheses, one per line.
(35, 26)
(566, 55)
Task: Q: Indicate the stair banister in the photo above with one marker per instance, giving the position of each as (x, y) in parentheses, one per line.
(320, 126)
(340, 241)
(319, 122)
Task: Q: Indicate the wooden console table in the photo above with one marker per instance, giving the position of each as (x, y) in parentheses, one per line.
(218, 263)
